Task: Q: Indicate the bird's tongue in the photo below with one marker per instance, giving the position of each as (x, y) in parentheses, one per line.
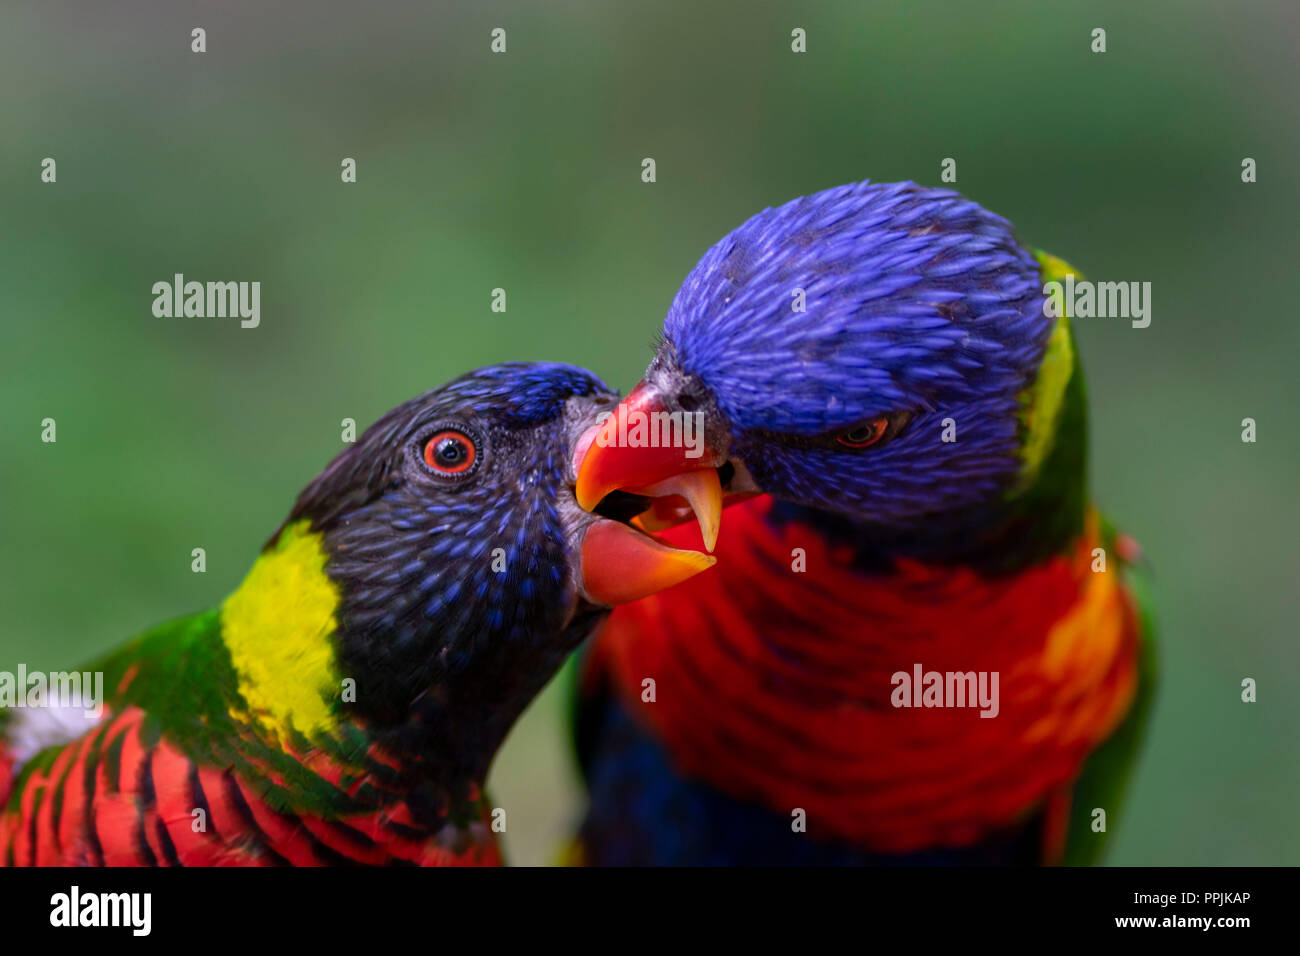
(621, 564)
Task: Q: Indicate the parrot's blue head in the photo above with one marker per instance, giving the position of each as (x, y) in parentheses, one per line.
(873, 351)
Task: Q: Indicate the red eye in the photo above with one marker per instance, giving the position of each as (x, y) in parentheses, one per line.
(864, 436)
(450, 453)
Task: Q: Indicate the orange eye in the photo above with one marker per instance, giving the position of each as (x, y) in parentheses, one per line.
(864, 436)
(450, 453)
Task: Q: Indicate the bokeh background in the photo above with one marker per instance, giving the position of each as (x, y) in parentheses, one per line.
(523, 171)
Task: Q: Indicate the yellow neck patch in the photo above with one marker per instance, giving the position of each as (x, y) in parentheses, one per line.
(1041, 402)
(278, 627)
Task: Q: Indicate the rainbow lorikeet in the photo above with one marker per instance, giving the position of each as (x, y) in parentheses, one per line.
(344, 703)
(889, 399)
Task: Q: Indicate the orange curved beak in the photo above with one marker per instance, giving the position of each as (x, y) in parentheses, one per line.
(644, 449)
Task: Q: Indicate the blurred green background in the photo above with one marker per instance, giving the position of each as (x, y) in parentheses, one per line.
(522, 171)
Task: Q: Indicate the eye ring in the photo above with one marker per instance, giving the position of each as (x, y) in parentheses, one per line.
(864, 436)
(450, 453)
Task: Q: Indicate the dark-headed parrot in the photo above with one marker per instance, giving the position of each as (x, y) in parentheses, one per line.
(885, 392)
(344, 703)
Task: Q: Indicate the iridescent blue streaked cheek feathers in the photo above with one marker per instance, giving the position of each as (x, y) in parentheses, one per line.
(461, 557)
(447, 527)
(859, 302)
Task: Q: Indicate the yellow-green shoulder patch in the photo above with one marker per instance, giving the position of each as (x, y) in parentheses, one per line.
(278, 626)
(1041, 402)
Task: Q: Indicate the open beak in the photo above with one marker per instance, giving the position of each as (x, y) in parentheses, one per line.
(642, 465)
(621, 564)
(640, 451)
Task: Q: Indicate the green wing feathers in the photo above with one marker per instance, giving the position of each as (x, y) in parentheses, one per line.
(1103, 782)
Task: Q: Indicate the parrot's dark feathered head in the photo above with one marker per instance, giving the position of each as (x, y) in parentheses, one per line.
(464, 568)
(873, 350)
(414, 512)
